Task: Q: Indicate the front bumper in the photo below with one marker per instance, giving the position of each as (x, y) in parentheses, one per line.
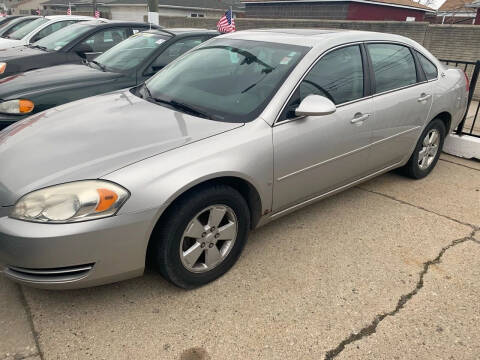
(76, 255)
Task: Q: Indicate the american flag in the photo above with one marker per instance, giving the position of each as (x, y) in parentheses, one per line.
(227, 23)
(97, 14)
(69, 10)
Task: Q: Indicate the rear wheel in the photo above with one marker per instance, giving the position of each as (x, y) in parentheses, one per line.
(427, 151)
(202, 236)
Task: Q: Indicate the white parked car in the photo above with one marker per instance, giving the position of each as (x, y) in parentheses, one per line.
(40, 28)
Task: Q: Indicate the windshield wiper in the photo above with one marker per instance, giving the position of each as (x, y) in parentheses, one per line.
(101, 66)
(189, 109)
(39, 47)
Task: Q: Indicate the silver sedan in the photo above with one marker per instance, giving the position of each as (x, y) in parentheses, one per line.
(237, 132)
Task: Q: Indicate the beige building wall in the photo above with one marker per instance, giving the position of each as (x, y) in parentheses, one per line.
(25, 7)
(138, 13)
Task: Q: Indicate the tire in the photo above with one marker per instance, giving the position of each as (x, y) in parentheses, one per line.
(205, 205)
(419, 166)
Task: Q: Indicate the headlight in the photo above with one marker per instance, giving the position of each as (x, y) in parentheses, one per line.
(17, 106)
(3, 67)
(71, 202)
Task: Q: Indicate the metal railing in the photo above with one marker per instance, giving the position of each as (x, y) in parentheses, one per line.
(472, 69)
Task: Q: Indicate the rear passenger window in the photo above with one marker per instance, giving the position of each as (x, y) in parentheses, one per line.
(393, 66)
(137, 29)
(428, 67)
(337, 76)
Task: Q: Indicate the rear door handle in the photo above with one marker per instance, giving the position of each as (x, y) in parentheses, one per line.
(359, 118)
(424, 97)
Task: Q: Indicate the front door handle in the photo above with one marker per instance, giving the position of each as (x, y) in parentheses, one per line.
(424, 97)
(359, 118)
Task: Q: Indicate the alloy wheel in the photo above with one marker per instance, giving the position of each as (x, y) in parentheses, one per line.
(208, 238)
(429, 149)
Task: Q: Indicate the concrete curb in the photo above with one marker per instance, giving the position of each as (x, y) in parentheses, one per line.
(464, 146)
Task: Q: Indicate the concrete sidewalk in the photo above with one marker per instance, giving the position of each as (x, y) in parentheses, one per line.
(387, 270)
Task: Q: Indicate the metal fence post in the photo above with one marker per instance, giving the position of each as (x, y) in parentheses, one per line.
(473, 85)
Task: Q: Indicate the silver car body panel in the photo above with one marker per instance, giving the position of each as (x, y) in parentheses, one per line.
(158, 154)
(128, 133)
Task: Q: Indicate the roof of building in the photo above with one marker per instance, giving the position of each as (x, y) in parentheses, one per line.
(190, 4)
(399, 3)
(456, 6)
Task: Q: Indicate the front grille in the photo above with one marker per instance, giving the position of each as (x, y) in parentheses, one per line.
(63, 274)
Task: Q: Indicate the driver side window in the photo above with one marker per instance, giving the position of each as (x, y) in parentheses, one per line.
(337, 76)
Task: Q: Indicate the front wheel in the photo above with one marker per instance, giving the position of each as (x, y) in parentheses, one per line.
(202, 236)
(427, 151)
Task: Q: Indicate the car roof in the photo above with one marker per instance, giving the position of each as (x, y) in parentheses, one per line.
(180, 31)
(20, 18)
(315, 37)
(66, 17)
(191, 30)
(107, 23)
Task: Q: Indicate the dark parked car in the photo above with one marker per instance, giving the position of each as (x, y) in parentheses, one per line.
(125, 65)
(14, 24)
(73, 44)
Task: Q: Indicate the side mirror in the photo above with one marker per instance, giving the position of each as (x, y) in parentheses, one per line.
(82, 49)
(315, 105)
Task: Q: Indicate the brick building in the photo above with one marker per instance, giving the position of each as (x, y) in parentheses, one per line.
(396, 10)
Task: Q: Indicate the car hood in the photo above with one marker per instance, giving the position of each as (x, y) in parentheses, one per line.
(67, 76)
(8, 43)
(18, 51)
(90, 138)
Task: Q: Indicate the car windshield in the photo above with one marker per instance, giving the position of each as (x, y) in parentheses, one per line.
(226, 79)
(131, 52)
(13, 26)
(25, 30)
(62, 37)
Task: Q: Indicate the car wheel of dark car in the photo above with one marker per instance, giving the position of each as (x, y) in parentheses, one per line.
(427, 151)
(202, 236)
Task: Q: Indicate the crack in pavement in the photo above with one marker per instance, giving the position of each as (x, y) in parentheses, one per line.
(474, 227)
(372, 327)
(28, 311)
